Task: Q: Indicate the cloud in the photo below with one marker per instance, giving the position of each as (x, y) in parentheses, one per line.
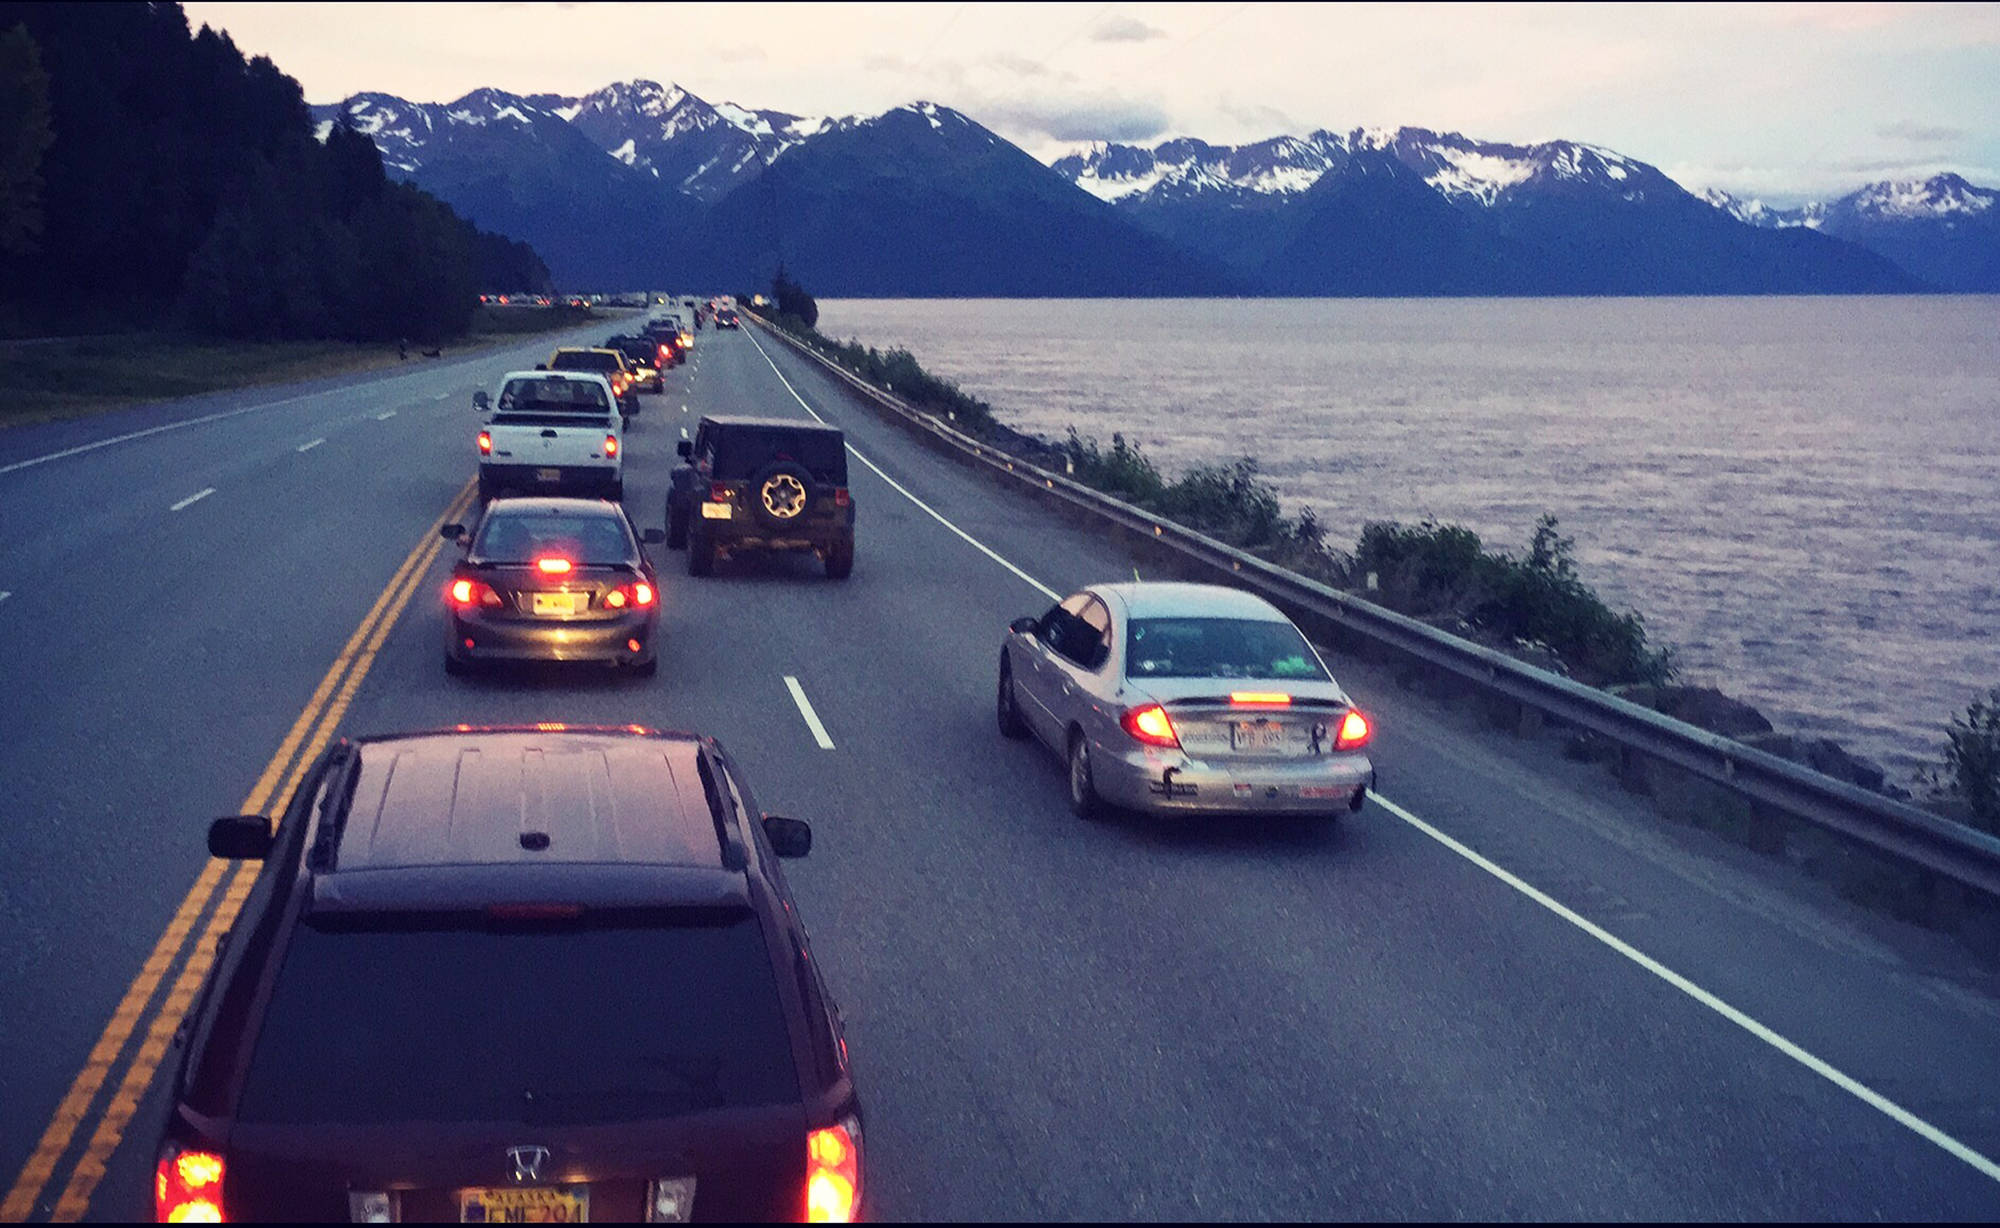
(1124, 30)
(1019, 65)
(1257, 117)
(747, 53)
(1101, 118)
(1920, 134)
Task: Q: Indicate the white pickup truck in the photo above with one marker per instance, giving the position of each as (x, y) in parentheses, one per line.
(551, 432)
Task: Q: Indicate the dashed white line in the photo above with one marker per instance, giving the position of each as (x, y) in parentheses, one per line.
(1845, 1082)
(307, 447)
(384, 417)
(442, 395)
(192, 499)
(806, 710)
(5, 595)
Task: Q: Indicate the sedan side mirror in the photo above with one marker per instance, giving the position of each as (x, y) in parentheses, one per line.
(1027, 625)
(247, 837)
(482, 402)
(684, 449)
(789, 837)
(653, 537)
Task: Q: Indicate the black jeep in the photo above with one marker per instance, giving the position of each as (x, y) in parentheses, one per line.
(762, 484)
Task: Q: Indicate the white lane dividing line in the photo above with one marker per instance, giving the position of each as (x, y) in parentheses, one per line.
(384, 417)
(441, 396)
(192, 499)
(1845, 1082)
(307, 447)
(899, 488)
(806, 710)
(1818, 1066)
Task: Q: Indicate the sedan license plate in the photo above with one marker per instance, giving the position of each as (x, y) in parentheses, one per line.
(561, 1204)
(548, 475)
(1264, 736)
(557, 603)
(715, 511)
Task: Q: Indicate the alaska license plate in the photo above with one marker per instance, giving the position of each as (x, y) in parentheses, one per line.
(715, 511)
(1257, 736)
(554, 1204)
(559, 603)
(548, 475)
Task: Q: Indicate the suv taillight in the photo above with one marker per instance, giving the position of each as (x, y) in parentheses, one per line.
(840, 498)
(718, 492)
(187, 1187)
(833, 1173)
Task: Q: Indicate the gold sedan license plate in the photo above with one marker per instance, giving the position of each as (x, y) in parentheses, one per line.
(1258, 736)
(556, 603)
(559, 1204)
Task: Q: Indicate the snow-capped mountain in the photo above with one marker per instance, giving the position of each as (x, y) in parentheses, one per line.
(1943, 229)
(700, 148)
(1756, 213)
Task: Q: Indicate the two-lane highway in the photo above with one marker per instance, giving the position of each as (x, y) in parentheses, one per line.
(1050, 1019)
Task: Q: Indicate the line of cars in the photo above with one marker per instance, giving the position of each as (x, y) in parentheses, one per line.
(542, 973)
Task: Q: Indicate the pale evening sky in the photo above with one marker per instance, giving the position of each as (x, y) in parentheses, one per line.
(1787, 101)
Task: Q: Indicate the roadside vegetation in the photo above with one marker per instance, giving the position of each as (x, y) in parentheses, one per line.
(71, 377)
(1970, 780)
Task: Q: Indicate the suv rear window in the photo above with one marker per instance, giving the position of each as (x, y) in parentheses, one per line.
(740, 453)
(553, 396)
(585, 360)
(404, 1019)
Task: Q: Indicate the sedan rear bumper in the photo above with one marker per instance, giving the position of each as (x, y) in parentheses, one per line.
(519, 639)
(1170, 782)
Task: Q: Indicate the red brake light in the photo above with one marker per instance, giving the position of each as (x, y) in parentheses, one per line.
(718, 492)
(1260, 699)
(642, 594)
(553, 567)
(486, 442)
(840, 498)
(468, 593)
(1354, 731)
(833, 1173)
(187, 1187)
(1151, 725)
(611, 445)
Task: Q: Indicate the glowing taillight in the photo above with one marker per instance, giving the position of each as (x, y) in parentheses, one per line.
(718, 492)
(1151, 725)
(187, 1187)
(486, 443)
(611, 445)
(553, 567)
(840, 498)
(1354, 731)
(1260, 699)
(833, 1173)
(461, 591)
(642, 595)
(468, 593)
(639, 595)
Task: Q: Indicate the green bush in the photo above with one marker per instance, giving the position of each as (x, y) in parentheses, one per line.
(1972, 760)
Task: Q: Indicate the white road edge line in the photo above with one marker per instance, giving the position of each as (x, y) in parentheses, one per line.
(385, 417)
(1845, 1082)
(806, 710)
(192, 499)
(898, 487)
(80, 449)
(307, 447)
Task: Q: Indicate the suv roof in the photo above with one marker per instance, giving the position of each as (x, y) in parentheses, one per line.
(468, 818)
(745, 422)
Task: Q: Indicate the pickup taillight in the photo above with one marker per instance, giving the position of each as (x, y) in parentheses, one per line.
(611, 445)
(486, 443)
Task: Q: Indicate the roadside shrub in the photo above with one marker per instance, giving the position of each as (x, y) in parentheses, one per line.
(1123, 472)
(1972, 760)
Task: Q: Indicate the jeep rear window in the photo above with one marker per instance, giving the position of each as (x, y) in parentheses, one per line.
(741, 454)
(584, 360)
(447, 1020)
(553, 396)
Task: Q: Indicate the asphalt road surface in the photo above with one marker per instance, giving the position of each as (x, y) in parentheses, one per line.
(1503, 991)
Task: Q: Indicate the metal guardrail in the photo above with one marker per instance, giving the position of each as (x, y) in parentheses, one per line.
(1903, 831)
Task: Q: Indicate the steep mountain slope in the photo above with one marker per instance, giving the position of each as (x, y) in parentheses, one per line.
(685, 142)
(921, 200)
(1943, 230)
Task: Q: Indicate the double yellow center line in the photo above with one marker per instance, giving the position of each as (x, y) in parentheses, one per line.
(308, 736)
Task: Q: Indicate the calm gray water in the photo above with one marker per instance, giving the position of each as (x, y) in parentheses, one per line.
(1802, 495)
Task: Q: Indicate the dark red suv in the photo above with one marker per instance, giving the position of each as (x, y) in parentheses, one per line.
(518, 973)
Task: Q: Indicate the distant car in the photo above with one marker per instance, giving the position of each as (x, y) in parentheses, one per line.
(643, 356)
(551, 432)
(552, 580)
(725, 318)
(1184, 697)
(515, 973)
(757, 484)
(606, 362)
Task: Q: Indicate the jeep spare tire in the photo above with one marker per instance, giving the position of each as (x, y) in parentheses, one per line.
(780, 494)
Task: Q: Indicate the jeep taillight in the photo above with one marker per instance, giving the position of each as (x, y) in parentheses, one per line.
(718, 492)
(187, 1187)
(840, 498)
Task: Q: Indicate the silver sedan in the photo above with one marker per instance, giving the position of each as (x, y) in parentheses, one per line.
(1184, 697)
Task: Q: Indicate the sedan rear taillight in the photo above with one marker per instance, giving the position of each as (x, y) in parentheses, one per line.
(1152, 726)
(833, 1173)
(1354, 731)
(486, 443)
(187, 1187)
(466, 594)
(636, 596)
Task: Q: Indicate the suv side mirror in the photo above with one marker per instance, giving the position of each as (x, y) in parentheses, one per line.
(481, 402)
(653, 537)
(684, 449)
(247, 837)
(789, 837)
